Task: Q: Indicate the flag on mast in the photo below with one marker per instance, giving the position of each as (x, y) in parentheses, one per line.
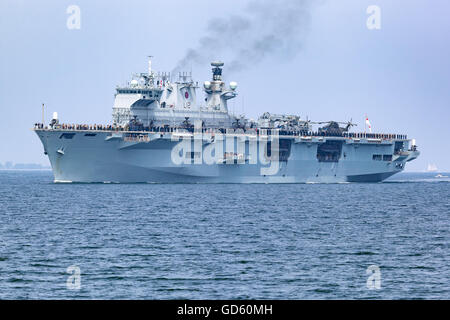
(368, 124)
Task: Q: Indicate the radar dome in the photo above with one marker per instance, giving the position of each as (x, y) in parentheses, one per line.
(134, 83)
(233, 85)
(207, 85)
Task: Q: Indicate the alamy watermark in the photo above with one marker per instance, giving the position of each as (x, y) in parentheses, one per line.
(374, 279)
(74, 19)
(374, 20)
(229, 148)
(74, 280)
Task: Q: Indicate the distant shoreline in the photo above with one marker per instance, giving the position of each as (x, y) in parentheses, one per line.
(29, 169)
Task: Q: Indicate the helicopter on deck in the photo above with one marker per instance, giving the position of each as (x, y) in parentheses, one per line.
(333, 128)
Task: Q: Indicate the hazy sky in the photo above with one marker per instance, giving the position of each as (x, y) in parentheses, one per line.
(330, 67)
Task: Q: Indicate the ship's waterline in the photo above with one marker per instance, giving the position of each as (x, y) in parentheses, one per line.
(160, 135)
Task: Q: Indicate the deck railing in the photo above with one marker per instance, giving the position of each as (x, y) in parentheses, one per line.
(168, 129)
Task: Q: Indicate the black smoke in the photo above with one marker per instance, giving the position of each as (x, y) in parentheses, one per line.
(265, 29)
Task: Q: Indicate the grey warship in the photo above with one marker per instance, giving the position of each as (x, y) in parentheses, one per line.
(160, 133)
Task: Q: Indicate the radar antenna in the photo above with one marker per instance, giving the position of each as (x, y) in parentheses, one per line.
(217, 70)
(150, 65)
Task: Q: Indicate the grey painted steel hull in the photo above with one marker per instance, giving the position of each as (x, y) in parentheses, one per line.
(103, 157)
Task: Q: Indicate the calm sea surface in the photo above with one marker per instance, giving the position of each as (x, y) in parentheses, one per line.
(224, 241)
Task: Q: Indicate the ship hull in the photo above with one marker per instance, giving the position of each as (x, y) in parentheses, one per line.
(101, 157)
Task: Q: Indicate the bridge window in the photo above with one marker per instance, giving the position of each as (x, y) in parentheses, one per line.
(377, 157)
(387, 157)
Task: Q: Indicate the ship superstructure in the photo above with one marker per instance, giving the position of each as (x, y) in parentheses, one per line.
(156, 101)
(161, 132)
